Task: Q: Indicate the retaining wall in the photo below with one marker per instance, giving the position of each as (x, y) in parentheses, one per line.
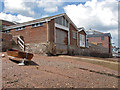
(47, 49)
(92, 50)
(37, 48)
(6, 41)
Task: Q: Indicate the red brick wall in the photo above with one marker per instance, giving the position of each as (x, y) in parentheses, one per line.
(72, 41)
(32, 35)
(104, 42)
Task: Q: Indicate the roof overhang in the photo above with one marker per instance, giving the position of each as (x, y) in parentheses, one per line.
(82, 29)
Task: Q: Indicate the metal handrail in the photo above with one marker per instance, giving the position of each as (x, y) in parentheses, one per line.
(20, 39)
(21, 43)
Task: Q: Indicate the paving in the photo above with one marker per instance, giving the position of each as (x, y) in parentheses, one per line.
(57, 72)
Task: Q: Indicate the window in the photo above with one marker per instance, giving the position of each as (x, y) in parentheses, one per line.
(82, 40)
(100, 44)
(4, 26)
(20, 28)
(37, 24)
(61, 21)
(66, 24)
(40, 24)
(33, 25)
(1, 39)
(74, 35)
(102, 38)
(7, 31)
(56, 20)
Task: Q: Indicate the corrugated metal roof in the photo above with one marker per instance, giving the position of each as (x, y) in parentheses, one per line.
(99, 35)
(32, 22)
(90, 31)
(40, 20)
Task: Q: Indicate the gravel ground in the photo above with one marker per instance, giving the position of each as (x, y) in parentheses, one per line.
(56, 72)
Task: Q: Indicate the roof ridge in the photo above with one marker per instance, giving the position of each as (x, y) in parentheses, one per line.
(36, 20)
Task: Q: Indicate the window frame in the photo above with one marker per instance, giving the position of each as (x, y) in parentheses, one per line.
(7, 31)
(36, 25)
(61, 21)
(82, 40)
(100, 44)
(74, 35)
(20, 28)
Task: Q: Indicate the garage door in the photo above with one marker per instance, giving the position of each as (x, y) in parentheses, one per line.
(61, 41)
(61, 36)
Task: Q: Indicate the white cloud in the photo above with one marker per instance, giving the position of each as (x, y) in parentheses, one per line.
(28, 7)
(18, 6)
(51, 9)
(19, 18)
(98, 15)
(49, 5)
(44, 16)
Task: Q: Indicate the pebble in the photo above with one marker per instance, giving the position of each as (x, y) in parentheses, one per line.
(3, 55)
(14, 75)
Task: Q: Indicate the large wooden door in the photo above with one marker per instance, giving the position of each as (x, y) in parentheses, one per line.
(61, 41)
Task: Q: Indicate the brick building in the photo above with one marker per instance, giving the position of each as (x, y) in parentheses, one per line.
(48, 35)
(5, 23)
(101, 39)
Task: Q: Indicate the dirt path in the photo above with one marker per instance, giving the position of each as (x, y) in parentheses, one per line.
(60, 72)
(101, 60)
(112, 64)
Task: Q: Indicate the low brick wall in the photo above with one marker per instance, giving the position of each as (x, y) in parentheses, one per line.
(6, 41)
(49, 49)
(37, 48)
(99, 51)
(93, 50)
(72, 50)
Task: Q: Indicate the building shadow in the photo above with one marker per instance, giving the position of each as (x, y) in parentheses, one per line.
(27, 63)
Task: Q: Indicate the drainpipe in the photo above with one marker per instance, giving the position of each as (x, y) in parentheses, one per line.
(69, 34)
(77, 38)
(47, 28)
(86, 40)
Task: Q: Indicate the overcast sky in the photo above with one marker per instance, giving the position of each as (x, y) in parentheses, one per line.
(101, 15)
